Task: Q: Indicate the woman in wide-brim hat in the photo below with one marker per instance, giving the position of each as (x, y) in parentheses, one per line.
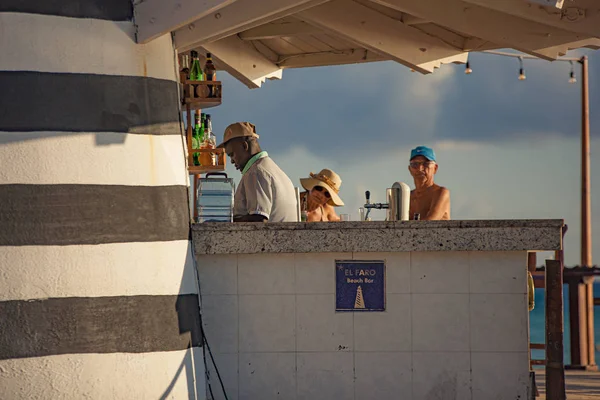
(322, 194)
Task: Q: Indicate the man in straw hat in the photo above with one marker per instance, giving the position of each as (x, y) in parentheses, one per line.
(265, 193)
(321, 196)
(430, 201)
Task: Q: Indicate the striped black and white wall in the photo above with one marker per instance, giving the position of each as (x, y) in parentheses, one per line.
(97, 290)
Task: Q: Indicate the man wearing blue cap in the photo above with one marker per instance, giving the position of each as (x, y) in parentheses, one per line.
(430, 201)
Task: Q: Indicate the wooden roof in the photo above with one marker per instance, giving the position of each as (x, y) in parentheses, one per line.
(255, 40)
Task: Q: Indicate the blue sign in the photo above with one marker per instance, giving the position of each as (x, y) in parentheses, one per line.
(359, 285)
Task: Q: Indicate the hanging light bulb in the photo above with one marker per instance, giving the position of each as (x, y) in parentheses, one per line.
(468, 69)
(522, 76)
(572, 74)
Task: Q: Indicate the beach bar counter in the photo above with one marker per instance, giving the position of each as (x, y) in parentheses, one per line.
(369, 310)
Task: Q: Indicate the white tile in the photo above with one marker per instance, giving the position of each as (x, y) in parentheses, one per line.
(397, 269)
(217, 274)
(315, 273)
(385, 331)
(319, 327)
(220, 321)
(325, 376)
(499, 322)
(439, 272)
(498, 271)
(500, 376)
(383, 376)
(440, 322)
(267, 323)
(442, 376)
(266, 274)
(267, 376)
(227, 364)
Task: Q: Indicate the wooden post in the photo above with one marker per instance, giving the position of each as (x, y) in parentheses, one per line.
(586, 216)
(586, 225)
(531, 261)
(555, 372)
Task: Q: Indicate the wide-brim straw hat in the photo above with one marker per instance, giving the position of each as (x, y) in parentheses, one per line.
(328, 180)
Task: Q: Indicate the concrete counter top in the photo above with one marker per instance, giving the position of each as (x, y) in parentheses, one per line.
(377, 236)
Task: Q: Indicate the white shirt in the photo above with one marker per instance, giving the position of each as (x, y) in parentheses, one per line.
(266, 190)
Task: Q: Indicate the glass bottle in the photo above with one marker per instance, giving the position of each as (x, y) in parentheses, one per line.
(198, 136)
(210, 72)
(196, 72)
(184, 74)
(207, 158)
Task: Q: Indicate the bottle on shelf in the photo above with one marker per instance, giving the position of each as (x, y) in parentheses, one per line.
(184, 74)
(198, 136)
(210, 73)
(208, 158)
(196, 74)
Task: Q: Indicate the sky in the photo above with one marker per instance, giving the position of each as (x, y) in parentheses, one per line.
(506, 149)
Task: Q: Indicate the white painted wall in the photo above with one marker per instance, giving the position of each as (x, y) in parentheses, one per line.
(455, 327)
(53, 44)
(105, 376)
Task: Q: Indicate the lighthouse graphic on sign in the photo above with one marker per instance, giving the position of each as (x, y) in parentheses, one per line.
(359, 302)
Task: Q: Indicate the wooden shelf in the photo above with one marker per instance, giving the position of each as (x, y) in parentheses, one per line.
(198, 169)
(198, 101)
(199, 104)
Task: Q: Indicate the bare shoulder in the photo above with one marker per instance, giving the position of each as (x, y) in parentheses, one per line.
(330, 211)
(442, 191)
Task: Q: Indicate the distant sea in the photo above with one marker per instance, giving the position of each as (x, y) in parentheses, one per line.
(537, 324)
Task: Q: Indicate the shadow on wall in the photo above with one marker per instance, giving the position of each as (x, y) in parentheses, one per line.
(189, 321)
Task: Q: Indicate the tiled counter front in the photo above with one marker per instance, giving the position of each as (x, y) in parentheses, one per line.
(455, 326)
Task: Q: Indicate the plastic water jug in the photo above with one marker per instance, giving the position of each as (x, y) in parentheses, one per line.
(215, 198)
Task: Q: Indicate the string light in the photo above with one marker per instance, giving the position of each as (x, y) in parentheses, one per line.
(468, 69)
(522, 76)
(572, 74)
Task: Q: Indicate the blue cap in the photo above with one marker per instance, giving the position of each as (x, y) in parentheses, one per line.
(424, 151)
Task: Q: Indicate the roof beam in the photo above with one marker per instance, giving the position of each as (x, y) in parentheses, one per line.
(548, 3)
(276, 30)
(505, 30)
(237, 17)
(379, 33)
(562, 50)
(242, 61)
(157, 17)
(350, 56)
(410, 20)
(576, 17)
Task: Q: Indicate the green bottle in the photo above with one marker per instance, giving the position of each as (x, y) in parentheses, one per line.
(198, 135)
(196, 73)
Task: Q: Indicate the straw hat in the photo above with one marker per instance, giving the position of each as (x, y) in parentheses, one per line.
(328, 180)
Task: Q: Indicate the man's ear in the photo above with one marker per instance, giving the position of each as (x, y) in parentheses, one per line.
(246, 146)
(436, 168)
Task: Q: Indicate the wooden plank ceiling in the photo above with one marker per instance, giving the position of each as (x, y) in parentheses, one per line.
(255, 40)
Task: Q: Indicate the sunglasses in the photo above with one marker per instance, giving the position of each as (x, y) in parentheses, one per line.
(322, 189)
(417, 165)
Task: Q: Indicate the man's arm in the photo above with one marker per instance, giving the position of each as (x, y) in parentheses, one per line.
(440, 205)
